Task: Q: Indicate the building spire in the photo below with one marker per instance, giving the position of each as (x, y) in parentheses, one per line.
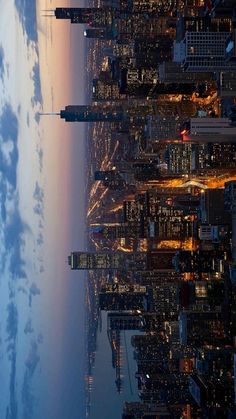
(49, 113)
(48, 12)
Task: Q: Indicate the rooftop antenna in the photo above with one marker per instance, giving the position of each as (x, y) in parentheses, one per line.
(48, 14)
(49, 113)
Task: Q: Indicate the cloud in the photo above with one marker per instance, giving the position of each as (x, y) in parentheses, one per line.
(38, 196)
(41, 269)
(12, 225)
(40, 239)
(38, 193)
(37, 98)
(12, 330)
(9, 153)
(12, 322)
(37, 117)
(40, 157)
(14, 243)
(38, 210)
(28, 327)
(32, 359)
(2, 69)
(8, 168)
(40, 338)
(40, 224)
(26, 392)
(8, 124)
(33, 292)
(12, 409)
(12, 246)
(13, 230)
(27, 398)
(3, 199)
(22, 289)
(28, 17)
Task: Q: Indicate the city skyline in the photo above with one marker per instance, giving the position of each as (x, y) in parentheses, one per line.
(117, 147)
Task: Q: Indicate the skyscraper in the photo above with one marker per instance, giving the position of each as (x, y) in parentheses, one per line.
(159, 260)
(212, 130)
(93, 16)
(107, 260)
(117, 297)
(108, 113)
(125, 112)
(172, 72)
(202, 51)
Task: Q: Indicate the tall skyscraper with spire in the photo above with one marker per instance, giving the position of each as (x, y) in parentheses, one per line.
(125, 20)
(134, 113)
(95, 17)
(108, 113)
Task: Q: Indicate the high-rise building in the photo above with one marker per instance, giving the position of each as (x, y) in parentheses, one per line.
(172, 224)
(201, 261)
(132, 114)
(108, 113)
(215, 362)
(202, 328)
(117, 297)
(172, 72)
(230, 195)
(212, 207)
(202, 51)
(105, 90)
(212, 393)
(201, 24)
(100, 33)
(180, 158)
(95, 17)
(162, 128)
(126, 24)
(227, 85)
(126, 320)
(113, 231)
(157, 7)
(91, 113)
(152, 51)
(165, 300)
(230, 206)
(191, 7)
(159, 260)
(107, 260)
(160, 388)
(155, 260)
(111, 179)
(138, 82)
(225, 8)
(137, 26)
(132, 210)
(138, 410)
(145, 171)
(187, 157)
(211, 130)
(142, 82)
(121, 50)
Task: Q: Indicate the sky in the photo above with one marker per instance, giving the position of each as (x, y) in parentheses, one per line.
(41, 214)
